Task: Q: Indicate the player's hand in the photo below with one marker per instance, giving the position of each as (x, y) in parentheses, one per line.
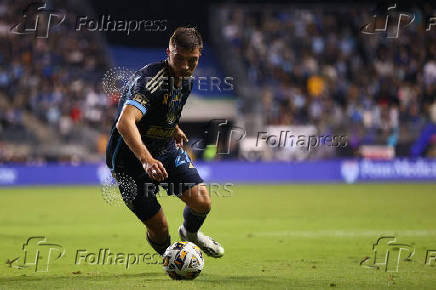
(155, 169)
(179, 137)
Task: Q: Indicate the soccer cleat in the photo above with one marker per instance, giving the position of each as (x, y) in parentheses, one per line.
(206, 243)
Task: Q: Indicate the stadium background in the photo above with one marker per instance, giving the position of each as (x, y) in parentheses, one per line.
(301, 67)
(323, 78)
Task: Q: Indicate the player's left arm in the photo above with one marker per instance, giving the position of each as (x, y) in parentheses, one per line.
(179, 136)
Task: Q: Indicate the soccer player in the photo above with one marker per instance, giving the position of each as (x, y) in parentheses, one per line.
(146, 145)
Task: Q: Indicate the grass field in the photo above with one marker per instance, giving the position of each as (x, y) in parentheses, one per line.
(275, 237)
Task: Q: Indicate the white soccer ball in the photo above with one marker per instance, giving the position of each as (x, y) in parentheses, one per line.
(183, 261)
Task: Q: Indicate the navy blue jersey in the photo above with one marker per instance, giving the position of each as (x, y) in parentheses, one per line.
(151, 91)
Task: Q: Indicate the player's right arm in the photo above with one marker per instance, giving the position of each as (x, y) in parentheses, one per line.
(127, 128)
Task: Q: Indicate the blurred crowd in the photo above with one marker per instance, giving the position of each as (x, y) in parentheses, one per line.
(55, 79)
(315, 66)
(310, 66)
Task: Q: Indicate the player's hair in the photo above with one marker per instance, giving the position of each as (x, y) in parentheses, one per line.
(187, 37)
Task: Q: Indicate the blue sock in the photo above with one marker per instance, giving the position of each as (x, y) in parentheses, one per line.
(193, 220)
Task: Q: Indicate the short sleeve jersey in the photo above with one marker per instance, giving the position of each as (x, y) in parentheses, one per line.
(152, 91)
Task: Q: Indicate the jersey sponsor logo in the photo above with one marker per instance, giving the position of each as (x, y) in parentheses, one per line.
(159, 132)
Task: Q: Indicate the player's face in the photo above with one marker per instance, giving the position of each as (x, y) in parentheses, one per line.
(183, 61)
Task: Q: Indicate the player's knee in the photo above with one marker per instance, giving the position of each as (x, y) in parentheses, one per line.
(203, 204)
(198, 199)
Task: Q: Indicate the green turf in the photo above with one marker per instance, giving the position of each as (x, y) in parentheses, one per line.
(275, 237)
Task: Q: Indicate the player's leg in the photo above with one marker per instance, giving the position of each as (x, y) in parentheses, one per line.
(185, 182)
(147, 208)
(197, 207)
(157, 232)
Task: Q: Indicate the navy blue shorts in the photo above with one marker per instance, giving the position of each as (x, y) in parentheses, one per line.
(182, 175)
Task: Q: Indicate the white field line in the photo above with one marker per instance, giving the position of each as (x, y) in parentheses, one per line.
(346, 233)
